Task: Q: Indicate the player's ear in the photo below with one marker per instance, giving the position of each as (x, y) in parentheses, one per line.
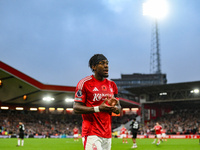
(94, 68)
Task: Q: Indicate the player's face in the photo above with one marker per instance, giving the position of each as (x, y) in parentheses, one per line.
(102, 69)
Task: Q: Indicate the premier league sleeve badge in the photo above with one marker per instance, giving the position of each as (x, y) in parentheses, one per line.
(79, 93)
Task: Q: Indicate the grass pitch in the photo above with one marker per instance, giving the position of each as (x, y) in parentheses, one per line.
(69, 144)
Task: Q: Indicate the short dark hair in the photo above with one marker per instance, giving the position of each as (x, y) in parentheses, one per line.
(95, 59)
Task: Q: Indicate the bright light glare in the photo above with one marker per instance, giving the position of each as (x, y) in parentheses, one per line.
(33, 109)
(164, 93)
(4, 107)
(134, 109)
(41, 108)
(19, 108)
(48, 99)
(196, 91)
(51, 109)
(69, 109)
(155, 8)
(126, 109)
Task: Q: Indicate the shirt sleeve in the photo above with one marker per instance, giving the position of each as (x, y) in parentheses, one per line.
(115, 89)
(80, 94)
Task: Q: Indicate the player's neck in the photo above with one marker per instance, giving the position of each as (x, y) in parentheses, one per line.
(100, 78)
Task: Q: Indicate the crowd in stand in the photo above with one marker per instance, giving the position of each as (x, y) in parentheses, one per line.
(39, 124)
(179, 122)
(182, 121)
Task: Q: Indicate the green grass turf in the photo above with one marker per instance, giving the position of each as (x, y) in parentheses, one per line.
(69, 144)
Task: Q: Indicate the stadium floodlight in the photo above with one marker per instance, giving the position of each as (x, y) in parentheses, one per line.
(196, 91)
(51, 109)
(69, 109)
(41, 108)
(155, 8)
(126, 109)
(48, 99)
(4, 107)
(33, 109)
(68, 100)
(164, 93)
(60, 109)
(19, 108)
(134, 109)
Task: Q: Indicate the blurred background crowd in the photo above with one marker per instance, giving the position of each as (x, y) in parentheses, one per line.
(184, 121)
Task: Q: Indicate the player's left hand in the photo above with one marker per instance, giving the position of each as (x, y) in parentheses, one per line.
(112, 101)
(105, 107)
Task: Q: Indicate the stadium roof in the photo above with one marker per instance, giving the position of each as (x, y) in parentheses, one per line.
(16, 84)
(17, 88)
(165, 88)
(177, 92)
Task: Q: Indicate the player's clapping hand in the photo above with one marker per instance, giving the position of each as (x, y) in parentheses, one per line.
(112, 108)
(112, 101)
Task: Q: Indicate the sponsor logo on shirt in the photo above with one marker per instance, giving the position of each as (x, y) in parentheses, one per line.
(99, 96)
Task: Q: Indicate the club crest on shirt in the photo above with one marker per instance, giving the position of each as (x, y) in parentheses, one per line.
(79, 93)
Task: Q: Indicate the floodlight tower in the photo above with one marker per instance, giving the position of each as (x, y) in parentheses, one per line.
(156, 9)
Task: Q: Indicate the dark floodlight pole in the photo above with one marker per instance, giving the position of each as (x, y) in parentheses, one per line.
(155, 66)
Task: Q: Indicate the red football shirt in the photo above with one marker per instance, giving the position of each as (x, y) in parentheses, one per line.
(158, 129)
(75, 130)
(93, 92)
(123, 130)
